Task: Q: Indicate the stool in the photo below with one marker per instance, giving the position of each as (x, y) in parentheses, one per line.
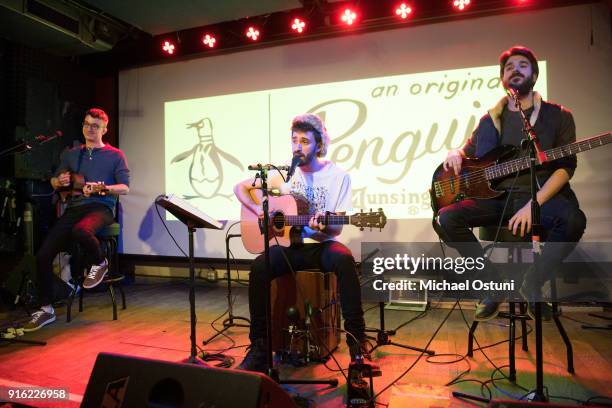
(319, 289)
(108, 237)
(489, 233)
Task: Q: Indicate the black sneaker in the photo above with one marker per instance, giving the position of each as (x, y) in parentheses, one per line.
(256, 358)
(529, 293)
(486, 309)
(361, 348)
(546, 311)
(360, 352)
(39, 319)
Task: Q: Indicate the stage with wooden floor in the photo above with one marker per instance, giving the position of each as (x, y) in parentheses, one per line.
(156, 325)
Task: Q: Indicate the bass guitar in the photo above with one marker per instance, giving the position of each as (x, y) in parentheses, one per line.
(284, 216)
(478, 177)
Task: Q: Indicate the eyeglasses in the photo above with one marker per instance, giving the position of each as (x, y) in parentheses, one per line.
(93, 126)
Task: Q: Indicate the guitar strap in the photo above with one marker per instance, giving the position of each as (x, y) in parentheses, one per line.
(80, 161)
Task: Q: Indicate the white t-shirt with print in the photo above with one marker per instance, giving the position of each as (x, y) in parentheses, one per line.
(328, 189)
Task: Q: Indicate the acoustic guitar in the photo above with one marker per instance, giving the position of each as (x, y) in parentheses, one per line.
(284, 216)
(478, 177)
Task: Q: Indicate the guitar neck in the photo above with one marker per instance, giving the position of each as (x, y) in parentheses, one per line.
(302, 220)
(522, 163)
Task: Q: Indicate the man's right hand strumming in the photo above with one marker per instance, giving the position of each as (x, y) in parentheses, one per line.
(453, 160)
(257, 210)
(62, 180)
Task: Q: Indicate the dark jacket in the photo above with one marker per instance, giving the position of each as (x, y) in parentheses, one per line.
(553, 125)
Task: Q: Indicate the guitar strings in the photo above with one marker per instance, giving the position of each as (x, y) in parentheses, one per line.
(299, 219)
(481, 174)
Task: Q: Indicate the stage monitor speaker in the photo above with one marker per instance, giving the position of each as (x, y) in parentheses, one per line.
(122, 381)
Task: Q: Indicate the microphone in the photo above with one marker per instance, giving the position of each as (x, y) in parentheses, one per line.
(293, 315)
(294, 162)
(307, 312)
(40, 139)
(513, 93)
(268, 167)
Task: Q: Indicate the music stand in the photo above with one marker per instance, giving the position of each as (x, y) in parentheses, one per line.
(192, 218)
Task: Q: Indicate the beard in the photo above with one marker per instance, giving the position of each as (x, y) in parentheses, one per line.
(523, 88)
(307, 159)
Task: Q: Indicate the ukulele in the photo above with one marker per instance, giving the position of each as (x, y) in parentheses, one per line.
(75, 188)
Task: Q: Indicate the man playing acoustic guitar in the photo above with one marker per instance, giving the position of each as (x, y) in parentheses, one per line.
(323, 187)
(561, 217)
(106, 174)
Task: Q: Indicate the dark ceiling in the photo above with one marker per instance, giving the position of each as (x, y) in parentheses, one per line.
(23, 21)
(157, 17)
(78, 27)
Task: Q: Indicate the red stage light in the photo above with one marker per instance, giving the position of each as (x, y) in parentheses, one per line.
(348, 16)
(209, 41)
(298, 25)
(252, 33)
(403, 11)
(168, 47)
(461, 4)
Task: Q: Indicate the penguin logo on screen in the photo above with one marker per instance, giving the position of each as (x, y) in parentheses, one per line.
(206, 169)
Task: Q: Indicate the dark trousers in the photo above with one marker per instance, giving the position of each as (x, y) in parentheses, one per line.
(78, 224)
(329, 256)
(561, 218)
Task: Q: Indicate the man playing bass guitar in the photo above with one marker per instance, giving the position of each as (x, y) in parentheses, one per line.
(323, 187)
(561, 217)
(87, 212)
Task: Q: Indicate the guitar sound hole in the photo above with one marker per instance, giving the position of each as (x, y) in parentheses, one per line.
(278, 220)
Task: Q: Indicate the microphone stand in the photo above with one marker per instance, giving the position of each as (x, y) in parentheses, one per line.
(536, 156)
(383, 334)
(262, 174)
(17, 149)
(27, 146)
(230, 321)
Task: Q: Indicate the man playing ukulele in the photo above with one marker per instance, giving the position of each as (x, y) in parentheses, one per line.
(86, 213)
